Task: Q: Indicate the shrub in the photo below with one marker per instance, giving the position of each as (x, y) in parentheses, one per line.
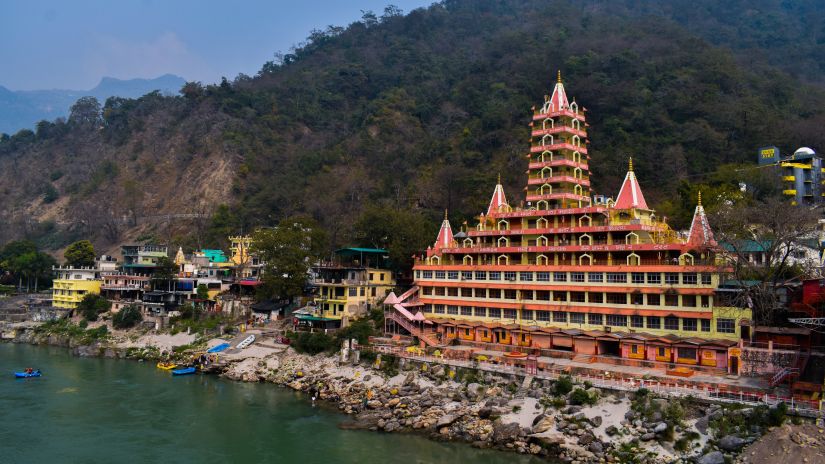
(581, 397)
(312, 343)
(127, 317)
(563, 385)
(92, 305)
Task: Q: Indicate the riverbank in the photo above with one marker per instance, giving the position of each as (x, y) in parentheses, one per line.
(555, 420)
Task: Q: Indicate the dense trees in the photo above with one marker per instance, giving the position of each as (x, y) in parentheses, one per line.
(92, 306)
(287, 251)
(80, 254)
(419, 113)
(24, 263)
(127, 317)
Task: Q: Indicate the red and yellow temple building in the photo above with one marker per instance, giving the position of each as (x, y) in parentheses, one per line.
(573, 271)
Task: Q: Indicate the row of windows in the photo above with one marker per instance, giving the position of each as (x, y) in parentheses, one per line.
(655, 278)
(613, 320)
(563, 296)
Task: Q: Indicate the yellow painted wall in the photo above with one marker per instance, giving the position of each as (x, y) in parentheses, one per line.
(68, 293)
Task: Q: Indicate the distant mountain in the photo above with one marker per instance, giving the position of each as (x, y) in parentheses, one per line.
(23, 109)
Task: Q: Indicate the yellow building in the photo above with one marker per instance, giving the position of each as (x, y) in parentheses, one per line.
(247, 264)
(72, 284)
(347, 288)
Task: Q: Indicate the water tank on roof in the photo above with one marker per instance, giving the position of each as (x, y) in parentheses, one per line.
(804, 151)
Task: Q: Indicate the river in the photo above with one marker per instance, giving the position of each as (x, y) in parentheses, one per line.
(93, 410)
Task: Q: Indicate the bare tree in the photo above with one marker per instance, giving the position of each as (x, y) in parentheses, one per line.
(761, 241)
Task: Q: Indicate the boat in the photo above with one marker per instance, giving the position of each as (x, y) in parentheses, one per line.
(218, 348)
(166, 365)
(25, 375)
(184, 371)
(246, 342)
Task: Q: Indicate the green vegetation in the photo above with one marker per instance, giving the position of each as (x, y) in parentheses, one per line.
(78, 333)
(80, 254)
(563, 385)
(127, 317)
(22, 261)
(410, 115)
(581, 397)
(92, 305)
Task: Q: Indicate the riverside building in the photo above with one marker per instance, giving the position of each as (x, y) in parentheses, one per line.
(573, 271)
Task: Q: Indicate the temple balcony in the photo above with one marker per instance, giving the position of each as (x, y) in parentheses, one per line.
(557, 180)
(558, 146)
(559, 129)
(538, 116)
(563, 195)
(558, 162)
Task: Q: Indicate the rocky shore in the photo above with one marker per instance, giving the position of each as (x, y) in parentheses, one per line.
(556, 420)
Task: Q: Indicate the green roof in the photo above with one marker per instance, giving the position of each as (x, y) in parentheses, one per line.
(305, 317)
(215, 256)
(748, 246)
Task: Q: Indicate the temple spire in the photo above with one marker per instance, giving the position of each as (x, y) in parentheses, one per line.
(559, 101)
(445, 234)
(700, 234)
(630, 195)
(499, 200)
(558, 77)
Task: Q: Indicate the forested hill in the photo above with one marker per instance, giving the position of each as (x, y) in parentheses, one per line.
(380, 126)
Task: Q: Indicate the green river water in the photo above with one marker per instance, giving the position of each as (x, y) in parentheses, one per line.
(118, 411)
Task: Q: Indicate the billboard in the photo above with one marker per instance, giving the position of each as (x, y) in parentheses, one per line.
(768, 155)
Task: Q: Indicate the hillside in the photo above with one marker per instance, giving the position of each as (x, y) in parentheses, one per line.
(396, 118)
(24, 108)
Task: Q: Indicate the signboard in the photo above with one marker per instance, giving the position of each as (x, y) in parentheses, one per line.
(768, 155)
(736, 352)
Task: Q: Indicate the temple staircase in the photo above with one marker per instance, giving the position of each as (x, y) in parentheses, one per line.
(428, 337)
(784, 373)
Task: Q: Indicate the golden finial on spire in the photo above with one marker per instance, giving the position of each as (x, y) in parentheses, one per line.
(699, 201)
(558, 76)
(445, 214)
(499, 178)
(630, 164)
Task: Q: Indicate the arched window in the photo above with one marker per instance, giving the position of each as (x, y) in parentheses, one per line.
(542, 223)
(576, 124)
(541, 260)
(503, 241)
(468, 260)
(541, 241)
(468, 242)
(585, 259)
(546, 172)
(546, 155)
(633, 259)
(577, 173)
(435, 260)
(585, 221)
(503, 260)
(545, 139)
(577, 141)
(545, 189)
(686, 259)
(503, 225)
(546, 121)
(585, 239)
(577, 190)
(632, 238)
(542, 205)
(577, 157)
(574, 107)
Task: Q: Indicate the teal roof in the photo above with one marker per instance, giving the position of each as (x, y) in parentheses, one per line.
(215, 256)
(748, 246)
(361, 250)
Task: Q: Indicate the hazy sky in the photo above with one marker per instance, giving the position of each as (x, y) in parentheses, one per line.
(72, 44)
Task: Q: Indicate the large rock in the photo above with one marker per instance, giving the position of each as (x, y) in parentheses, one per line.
(714, 457)
(542, 424)
(731, 443)
(503, 433)
(596, 421)
(611, 430)
(648, 437)
(485, 412)
(702, 425)
(660, 427)
(596, 447)
(446, 420)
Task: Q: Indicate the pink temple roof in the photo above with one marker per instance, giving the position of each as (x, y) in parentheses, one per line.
(700, 234)
(630, 195)
(559, 98)
(445, 235)
(498, 199)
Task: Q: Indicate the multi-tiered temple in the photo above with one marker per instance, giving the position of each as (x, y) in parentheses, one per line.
(573, 271)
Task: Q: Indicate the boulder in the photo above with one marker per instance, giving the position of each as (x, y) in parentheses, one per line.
(611, 430)
(702, 425)
(731, 443)
(485, 412)
(659, 403)
(503, 433)
(659, 427)
(596, 421)
(586, 439)
(544, 424)
(648, 436)
(572, 409)
(596, 447)
(714, 457)
(446, 420)
(630, 416)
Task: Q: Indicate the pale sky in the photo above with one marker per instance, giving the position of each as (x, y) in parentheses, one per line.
(72, 44)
